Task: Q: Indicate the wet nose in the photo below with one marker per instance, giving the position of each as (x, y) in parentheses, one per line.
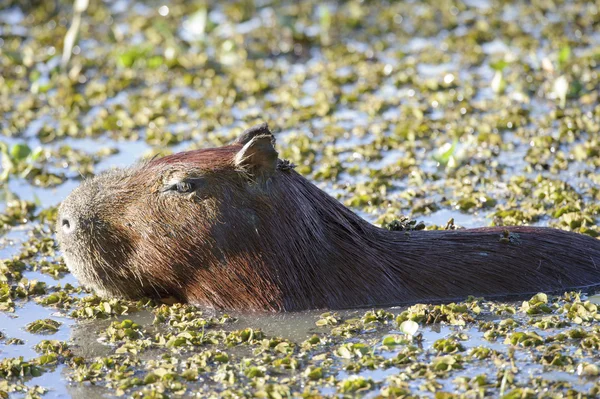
(67, 224)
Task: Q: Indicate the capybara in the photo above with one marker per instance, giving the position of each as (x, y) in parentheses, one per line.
(235, 227)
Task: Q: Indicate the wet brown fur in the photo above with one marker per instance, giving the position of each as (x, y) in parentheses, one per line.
(261, 239)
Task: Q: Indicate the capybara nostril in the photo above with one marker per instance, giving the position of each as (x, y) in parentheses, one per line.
(67, 225)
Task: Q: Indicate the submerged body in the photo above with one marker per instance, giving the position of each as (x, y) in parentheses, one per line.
(235, 228)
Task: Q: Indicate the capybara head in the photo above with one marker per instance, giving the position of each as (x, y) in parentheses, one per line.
(170, 225)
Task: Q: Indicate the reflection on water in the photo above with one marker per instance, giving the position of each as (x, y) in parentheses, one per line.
(13, 326)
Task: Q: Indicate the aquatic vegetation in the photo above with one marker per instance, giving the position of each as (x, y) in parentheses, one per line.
(418, 115)
(43, 326)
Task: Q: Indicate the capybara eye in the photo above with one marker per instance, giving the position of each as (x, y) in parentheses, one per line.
(184, 187)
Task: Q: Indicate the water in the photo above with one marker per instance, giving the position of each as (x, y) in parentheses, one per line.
(383, 97)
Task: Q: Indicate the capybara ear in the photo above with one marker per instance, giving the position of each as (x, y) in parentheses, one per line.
(249, 134)
(258, 156)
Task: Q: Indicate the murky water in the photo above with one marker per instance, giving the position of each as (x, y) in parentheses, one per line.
(378, 96)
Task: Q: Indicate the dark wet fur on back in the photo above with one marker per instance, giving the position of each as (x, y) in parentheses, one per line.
(333, 258)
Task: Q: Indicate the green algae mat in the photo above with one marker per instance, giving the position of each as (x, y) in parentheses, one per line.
(452, 113)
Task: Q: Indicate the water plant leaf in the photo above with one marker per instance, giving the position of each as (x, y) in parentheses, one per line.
(409, 327)
(560, 89)
(43, 326)
(564, 56)
(595, 299)
(19, 152)
(499, 66)
(498, 82)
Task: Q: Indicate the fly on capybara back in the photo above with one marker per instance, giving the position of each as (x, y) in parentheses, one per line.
(234, 227)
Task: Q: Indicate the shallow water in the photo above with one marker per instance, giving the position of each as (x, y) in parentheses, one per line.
(366, 100)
